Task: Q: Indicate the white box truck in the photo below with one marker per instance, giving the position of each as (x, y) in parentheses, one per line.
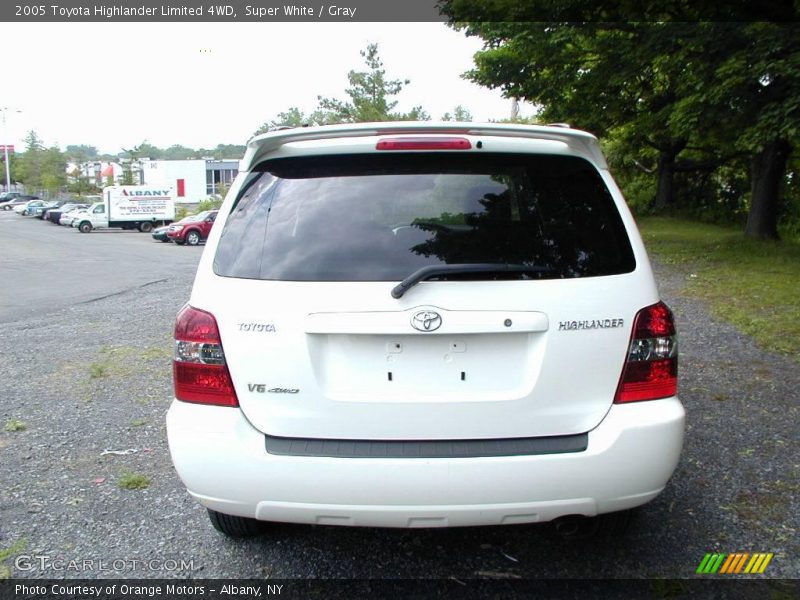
(139, 207)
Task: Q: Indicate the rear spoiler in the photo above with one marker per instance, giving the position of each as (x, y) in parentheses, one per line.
(580, 142)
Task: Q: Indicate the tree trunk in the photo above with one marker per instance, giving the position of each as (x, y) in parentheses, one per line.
(665, 194)
(768, 170)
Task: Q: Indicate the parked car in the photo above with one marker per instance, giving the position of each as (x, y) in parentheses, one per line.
(68, 217)
(192, 230)
(17, 201)
(54, 214)
(38, 211)
(160, 233)
(28, 207)
(7, 197)
(424, 325)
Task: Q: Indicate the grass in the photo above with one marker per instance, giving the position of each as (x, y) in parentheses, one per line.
(752, 284)
(96, 371)
(15, 425)
(772, 501)
(125, 361)
(121, 361)
(133, 481)
(15, 548)
(139, 422)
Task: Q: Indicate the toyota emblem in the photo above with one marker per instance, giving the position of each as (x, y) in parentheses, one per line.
(426, 321)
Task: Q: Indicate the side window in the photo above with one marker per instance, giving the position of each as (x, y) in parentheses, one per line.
(241, 246)
(100, 209)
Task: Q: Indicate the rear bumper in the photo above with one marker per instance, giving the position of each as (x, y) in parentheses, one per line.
(222, 461)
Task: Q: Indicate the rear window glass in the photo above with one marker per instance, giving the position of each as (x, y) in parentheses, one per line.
(380, 217)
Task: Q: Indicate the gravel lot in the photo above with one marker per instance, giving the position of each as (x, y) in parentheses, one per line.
(89, 376)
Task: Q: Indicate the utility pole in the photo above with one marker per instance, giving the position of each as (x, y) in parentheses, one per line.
(5, 109)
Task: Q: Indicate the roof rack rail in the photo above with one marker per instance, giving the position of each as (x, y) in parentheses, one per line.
(564, 125)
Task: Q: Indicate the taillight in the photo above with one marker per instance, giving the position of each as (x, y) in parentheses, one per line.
(198, 367)
(424, 143)
(651, 368)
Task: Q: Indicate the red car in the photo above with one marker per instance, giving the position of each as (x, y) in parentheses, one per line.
(192, 230)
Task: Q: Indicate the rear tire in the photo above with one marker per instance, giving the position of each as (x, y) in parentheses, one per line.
(192, 238)
(146, 227)
(85, 227)
(235, 527)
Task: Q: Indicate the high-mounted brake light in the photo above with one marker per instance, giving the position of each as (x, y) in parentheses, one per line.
(199, 371)
(424, 143)
(651, 368)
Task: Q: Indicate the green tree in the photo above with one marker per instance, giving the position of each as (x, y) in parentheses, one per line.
(293, 117)
(12, 163)
(459, 114)
(131, 163)
(229, 151)
(595, 76)
(80, 184)
(417, 113)
(144, 150)
(80, 153)
(176, 152)
(679, 96)
(758, 77)
(29, 169)
(53, 170)
(369, 100)
(369, 92)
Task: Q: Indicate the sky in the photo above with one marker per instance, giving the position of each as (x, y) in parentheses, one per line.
(114, 85)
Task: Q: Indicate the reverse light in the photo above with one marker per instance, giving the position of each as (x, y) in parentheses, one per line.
(651, 367)
(424, 143)
(199, 371)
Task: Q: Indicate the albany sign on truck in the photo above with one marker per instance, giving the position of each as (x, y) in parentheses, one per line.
(139, 207)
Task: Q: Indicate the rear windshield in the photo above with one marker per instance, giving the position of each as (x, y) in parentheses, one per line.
(380, 217)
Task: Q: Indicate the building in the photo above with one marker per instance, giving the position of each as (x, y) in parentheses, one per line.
(193, 179)
(95, 172)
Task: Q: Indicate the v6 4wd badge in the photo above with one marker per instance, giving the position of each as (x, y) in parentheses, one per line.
(262, 387)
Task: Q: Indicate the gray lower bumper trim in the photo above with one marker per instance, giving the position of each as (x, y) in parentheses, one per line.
(426, 449)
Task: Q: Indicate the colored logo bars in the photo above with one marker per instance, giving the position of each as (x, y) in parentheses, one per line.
(735, 563)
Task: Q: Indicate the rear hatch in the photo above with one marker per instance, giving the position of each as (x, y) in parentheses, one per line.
(530, 344)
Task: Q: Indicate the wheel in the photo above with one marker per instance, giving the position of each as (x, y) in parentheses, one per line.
(235, 527)
(85, 227)
(192, 238)
(145, 227)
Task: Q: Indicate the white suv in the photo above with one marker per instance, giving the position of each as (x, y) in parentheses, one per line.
(424, 325)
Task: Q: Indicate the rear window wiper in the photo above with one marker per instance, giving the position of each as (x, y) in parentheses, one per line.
(437, 270)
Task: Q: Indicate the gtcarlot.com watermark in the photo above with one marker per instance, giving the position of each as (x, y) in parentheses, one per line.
(59, 564)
